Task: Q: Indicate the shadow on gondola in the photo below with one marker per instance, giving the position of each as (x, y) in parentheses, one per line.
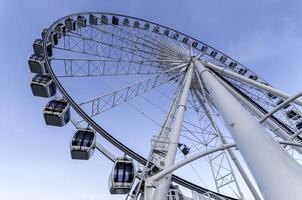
(122, 176)
(57, 112)
(83, 144)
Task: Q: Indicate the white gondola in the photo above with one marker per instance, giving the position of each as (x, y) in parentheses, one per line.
(175, 36)
(204, 49)
(146, 26)
(38, 47)
(81, 21)
(122, 176)
(271, 96)
(156, 29)
(213, 54)
(70, 25)
(104, 19)
(93, 20)
(184, 149)
(242, 71)
(299, 125)
(53, 36)
(166, 32)
(292, 114)
(126, 22)
(37, 64)
(43, 86)
(83, 144)
(253, 77)
(185, 40)
(222, 59)
(232, 65)
(60, 30)
(136, 24)
(194, 44)
(115, 20)
(57, 112)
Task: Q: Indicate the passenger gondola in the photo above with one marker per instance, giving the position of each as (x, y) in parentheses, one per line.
(38, 47)
(175, 36)
(104, 19)
(194, 44)
(122, 176)
(57, 112)
(156, 29)
(93, 20)
(299, 125)
(222, 59)
(146, 26)
(253, 77)
(204, 49)
(115, 20)
(166, 32)
(185, 40)
(271, 96)
(60, 30)
(81, 21)
(70, 25)
(213, 54)
(43, 86)
(232, 65)
(37, 64)
(184, 149)
(53, 36)
(136, 24)
(126, 22)
(242, 71)
(292, 114)
(83, 144)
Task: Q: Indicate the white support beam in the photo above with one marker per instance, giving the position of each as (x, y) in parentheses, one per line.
(179, 164)
(241, 170)
(273, 126)
(229, 73)
(105, 152)
(276, 109)
(206, 107)
(291, 144)
(164, 184)
(261, 153)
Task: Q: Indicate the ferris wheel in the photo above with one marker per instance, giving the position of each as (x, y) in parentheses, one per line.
(214, 129)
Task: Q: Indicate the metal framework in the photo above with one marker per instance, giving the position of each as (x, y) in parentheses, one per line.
(210, 103)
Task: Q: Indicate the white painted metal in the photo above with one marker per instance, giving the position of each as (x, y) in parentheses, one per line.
(105, 152)
(159, 146)
(273, 168)
(206, 107)
(274, 127)
(232, 155)
(187, 160)
(164, 184)
(286, 102)
(163, 135)
(262, 86)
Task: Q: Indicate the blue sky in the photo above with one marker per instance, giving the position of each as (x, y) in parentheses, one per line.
(35, 161)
